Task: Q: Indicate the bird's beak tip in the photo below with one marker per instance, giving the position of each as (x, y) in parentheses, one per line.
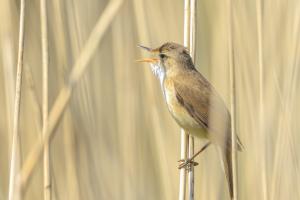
(145, 48)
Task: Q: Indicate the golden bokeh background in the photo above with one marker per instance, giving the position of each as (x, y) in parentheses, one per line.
(116, 139)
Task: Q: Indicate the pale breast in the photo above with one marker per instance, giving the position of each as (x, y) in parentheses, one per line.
(179, 113)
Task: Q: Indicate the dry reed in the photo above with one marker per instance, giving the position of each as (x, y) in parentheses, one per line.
(261, 94)
(184, 139)
(232, 98)
(45, 64)
(14, 190)
(192, 49)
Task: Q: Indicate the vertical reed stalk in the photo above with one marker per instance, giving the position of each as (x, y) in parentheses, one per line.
(232, 97)
(184, 138)
(14, 191)
(192, 44)
(193, 29)
(261, 98)
(45, 62)
(191, 177)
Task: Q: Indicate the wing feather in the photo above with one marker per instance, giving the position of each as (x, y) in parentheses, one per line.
(199, 98)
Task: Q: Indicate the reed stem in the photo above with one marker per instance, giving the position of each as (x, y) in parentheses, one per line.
(14, 190)
(184, 138)
(192, 47)
(232, 97)
(261, 98)
(45, 63)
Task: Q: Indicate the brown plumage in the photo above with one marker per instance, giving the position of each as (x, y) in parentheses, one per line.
(193, 102)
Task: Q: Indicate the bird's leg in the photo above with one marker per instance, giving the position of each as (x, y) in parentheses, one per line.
(190, 161)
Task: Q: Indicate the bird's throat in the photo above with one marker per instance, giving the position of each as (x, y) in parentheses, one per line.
(159, 72)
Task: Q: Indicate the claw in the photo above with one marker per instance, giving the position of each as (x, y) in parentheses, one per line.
(187, 163)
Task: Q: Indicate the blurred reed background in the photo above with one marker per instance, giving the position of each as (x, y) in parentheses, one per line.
(116, 139)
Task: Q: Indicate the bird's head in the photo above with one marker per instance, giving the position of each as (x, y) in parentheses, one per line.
(169, 56)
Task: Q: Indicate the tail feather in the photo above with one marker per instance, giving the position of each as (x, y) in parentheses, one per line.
(226, 158)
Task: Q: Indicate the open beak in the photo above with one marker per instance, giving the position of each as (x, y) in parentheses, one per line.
(148, 60)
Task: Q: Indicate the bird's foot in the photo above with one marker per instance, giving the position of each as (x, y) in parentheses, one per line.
(188, 163)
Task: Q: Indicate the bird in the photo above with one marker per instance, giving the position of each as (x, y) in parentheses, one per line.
(193, 102)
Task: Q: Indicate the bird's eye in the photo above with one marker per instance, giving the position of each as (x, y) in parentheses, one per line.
(162, 56)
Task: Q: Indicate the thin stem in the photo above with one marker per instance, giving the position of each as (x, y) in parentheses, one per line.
(261, 97)
(192, 44)
(14, 191)
(191, 172)
(184, 137)
(186, 33)
(45, 60)
(232, 98)
(193, 29)
(183, 154)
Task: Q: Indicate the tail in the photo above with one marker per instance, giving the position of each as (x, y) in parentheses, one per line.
(226, 159)
(225, 152)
